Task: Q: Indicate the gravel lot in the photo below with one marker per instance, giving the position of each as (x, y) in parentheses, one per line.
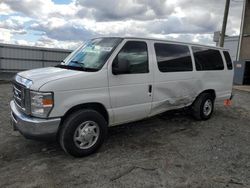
(170, 150)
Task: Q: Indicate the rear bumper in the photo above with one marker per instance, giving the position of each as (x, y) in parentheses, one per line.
(33, 128)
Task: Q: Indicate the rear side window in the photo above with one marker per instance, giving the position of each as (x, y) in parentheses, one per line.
(207, 59)
(136, 53)
(228, 60)
(173, 57)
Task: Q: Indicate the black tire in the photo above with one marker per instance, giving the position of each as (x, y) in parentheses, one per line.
(198, 106)
(72, 122)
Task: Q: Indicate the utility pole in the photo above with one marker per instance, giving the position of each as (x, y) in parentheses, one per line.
(241, 29)
(224, 25)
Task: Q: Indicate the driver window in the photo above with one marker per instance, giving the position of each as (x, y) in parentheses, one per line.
(135, 53)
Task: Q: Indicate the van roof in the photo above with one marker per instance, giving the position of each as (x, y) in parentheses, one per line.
(171, 41)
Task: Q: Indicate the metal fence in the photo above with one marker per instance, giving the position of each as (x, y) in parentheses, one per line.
(15, 58)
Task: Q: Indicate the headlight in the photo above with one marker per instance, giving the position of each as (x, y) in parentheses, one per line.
(24, 81)
(41, 103)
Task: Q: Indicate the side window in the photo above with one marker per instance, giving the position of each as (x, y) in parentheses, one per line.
(228, 60)
(135, 53)
(173, 57)
(207, 59)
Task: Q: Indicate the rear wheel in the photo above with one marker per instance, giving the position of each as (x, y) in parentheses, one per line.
(203, 106)
(83, 132)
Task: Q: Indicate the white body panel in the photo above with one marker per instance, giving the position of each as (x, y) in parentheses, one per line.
(129, 96)
(87, 87)
(126, 97)
(172, 89)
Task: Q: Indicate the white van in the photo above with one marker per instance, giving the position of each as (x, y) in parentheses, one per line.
(111, 81)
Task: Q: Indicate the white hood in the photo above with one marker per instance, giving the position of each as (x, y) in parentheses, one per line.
(41, 76)
(59, 79)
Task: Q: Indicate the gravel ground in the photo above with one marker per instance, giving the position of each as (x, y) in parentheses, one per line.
(170, 150)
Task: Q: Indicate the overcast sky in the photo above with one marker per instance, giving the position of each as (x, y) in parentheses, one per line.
(65, 23)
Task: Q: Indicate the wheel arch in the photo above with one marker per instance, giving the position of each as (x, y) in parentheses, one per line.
(93, 105)
(210, 91)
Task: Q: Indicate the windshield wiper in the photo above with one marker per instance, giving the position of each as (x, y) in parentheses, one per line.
(87, 69)
(76, 62)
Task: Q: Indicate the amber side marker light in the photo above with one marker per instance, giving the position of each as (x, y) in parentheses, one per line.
(47, 102)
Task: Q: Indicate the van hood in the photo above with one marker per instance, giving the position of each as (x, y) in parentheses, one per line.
(41, 76)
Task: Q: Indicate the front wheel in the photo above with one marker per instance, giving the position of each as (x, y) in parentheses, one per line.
(203, 106)
(83, 132)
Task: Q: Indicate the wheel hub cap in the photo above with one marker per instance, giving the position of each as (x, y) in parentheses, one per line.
(208, 106)
(86, 134)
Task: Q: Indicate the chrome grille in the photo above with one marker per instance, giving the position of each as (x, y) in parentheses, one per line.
(19, 95)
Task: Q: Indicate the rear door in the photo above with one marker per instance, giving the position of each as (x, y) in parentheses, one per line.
(229, 71)
(212, 71)
(130, 93)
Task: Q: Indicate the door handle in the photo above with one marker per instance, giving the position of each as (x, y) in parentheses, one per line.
(150, 89)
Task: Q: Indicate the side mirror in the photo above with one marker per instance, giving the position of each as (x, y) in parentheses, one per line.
(120, 67)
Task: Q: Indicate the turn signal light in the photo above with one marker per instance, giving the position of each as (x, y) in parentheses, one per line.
(47, 102)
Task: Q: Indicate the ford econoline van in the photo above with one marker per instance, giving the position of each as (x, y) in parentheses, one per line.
(111, 81)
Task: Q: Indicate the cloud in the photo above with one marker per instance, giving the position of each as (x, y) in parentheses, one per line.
(24, 42)
(5, 35)
(108, 10)
(30, 8)
(60, 29)
(57, 25)
(14, 22)
(42, 9)
(181, 26)
(48, 42)
(4, 9)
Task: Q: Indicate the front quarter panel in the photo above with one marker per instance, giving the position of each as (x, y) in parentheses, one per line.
(86, 88)
(65, 100)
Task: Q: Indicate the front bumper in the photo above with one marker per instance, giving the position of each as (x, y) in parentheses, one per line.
(33, 128)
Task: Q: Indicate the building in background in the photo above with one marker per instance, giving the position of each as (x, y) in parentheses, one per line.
(239, 47)
(15, 58)
(232, 43)
(242, 66)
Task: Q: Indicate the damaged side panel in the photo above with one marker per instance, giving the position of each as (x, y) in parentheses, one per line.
(174, 94)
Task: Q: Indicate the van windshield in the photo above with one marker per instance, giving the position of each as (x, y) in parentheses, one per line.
(92, 55)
